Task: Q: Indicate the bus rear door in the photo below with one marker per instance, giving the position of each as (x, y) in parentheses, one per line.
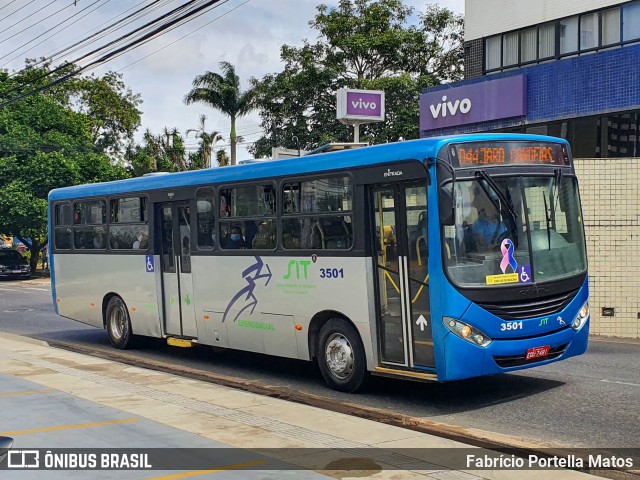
(177, 286)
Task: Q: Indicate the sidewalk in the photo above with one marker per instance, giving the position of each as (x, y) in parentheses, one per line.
(226, 416)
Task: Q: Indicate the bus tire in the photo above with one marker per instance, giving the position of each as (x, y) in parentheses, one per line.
(118, 324)
(341, 356)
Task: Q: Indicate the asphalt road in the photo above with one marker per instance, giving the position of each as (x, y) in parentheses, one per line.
(591, 401)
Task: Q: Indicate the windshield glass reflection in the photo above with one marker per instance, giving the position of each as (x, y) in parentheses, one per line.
(537, 237)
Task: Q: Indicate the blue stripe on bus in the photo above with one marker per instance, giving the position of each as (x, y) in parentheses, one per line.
(354, 158)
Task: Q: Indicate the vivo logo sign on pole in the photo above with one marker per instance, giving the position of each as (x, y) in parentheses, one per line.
(478, 102)
(360, 106)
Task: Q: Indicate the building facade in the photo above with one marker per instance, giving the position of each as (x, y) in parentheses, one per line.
(569, 69)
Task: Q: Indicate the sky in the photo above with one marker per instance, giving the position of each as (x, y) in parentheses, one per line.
(246, 33)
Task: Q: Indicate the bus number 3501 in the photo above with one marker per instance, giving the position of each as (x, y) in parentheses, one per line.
(331, 273)
(511, 326)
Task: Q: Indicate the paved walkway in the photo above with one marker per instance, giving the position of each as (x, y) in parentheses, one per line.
(52, 398)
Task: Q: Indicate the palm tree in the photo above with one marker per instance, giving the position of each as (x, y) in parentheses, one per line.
(173, 145)
(222, 92)
(222, 158)
(207, 140)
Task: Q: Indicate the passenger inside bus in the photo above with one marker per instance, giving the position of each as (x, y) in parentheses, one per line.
(235, 240)
(98, 239)
(141, 241)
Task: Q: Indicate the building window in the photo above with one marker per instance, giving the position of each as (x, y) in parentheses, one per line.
(610, 26)
(493, 46)
(618, 135)
(510, 49)
(588, 31)
(568, 35)
(547, 40)
(631, 22)
(528, 47)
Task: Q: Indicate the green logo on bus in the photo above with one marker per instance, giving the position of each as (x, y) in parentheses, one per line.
(298, 264)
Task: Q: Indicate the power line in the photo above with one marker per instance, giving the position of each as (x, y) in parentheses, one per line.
(184, 36)
(16, 11)
(93, 52)
(46, 31)
(178, 19)
(37, 23)
(5, 6)
(27, 17)
(94, 37)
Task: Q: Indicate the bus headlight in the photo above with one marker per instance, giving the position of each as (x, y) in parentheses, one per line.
(466, 332)
(581, 318)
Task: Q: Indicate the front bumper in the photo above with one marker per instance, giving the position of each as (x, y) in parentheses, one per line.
(15, 275)
(465, 360)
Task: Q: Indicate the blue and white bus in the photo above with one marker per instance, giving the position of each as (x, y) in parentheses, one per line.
(434, 259)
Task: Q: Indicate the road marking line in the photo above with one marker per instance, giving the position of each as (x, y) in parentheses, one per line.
(225, 468)
(67, 427)
(9, 289)
(27, 392)
(39, 289)
(620, 383)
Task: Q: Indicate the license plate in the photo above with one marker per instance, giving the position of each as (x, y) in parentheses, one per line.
(537, 352)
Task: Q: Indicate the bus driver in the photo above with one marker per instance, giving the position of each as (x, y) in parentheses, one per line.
(488, 229)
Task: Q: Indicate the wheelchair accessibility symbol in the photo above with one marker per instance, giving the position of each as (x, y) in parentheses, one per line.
(150, 266)
(524, 274)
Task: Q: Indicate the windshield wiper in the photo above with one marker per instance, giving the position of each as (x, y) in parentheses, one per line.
(504, 205)
(547, 216)
(503, 198)
(557, 176)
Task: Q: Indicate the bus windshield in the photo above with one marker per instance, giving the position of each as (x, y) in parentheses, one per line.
(512, 230)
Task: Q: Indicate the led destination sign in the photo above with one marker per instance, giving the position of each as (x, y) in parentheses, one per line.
(509, 153)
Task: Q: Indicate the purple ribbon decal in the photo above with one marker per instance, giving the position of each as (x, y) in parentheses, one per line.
(507, 256)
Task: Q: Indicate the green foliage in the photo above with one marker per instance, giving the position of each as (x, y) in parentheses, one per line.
(44, 144)
(362, 44)
(112, 109)
(165, 153)
(202, 159)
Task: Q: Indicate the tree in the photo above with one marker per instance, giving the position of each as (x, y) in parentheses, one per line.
(362, 44)
(44, 144)
(160, 153)
(222, 158)
(222, 92)
(111, 107)
(207, 141)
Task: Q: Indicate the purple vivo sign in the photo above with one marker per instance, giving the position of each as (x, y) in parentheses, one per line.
(360, 106)
(365, 104)
(479, 102)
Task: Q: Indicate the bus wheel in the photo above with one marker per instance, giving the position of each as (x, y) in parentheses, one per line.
(341, 356)
(118, 324)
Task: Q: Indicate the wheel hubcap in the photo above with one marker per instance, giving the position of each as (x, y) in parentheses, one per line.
(116, 320)
(339, 356)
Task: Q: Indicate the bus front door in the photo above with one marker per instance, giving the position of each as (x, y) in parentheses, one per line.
(177, 286)
(399, 220)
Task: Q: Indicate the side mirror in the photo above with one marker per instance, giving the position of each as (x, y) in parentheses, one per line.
(5, 444)
(446, 205)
